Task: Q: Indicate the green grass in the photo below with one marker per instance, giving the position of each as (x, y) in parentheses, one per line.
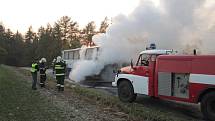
(19, 103)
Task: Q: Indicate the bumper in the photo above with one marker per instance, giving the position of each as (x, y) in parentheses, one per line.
(114, 84)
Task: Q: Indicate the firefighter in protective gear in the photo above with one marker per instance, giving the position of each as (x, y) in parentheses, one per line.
(42, 67)
(34, 69)
(60, 67)
(53, 66)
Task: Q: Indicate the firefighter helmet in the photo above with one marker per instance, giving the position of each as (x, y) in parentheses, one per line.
(58, 59)
(43, 60)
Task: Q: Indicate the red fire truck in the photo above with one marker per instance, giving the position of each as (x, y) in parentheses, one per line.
(161, 74)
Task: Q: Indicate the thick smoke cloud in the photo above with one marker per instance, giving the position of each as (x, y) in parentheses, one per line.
(182, 25)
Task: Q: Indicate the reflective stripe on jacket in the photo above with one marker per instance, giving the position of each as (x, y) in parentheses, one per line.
(60, 69)
(60, 74)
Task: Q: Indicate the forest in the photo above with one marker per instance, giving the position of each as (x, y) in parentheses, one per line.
(18, 49)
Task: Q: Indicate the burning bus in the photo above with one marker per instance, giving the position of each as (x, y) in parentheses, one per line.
(72, 57)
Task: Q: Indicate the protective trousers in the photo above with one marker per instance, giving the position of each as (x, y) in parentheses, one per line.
(42, 80)
(60, 82)
(34, 82)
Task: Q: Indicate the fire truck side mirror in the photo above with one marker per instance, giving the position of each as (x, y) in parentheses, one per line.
(132, 66)
(114, 71)
(194, 52)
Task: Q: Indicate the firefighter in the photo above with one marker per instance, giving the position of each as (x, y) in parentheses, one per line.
(53, 66)
(60, 67)
(34, 69)
(42, 67)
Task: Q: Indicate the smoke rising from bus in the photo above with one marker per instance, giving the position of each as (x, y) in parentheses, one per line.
(181, 25)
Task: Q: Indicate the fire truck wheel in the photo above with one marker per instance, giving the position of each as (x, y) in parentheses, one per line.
(126, 92)
(208, 106)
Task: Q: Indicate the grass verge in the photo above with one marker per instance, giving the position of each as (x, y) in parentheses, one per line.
(19, 103)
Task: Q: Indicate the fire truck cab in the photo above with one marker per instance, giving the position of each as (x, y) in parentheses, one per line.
(164, 75)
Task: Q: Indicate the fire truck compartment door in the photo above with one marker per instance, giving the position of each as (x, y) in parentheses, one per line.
(164, 83)
(173, 84)
(140, 83)
(180, 85)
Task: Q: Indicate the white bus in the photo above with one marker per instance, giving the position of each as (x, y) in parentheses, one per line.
(89, 53)
(73, 55)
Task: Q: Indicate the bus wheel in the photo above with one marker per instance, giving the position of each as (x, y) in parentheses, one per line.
(208, 106)
(126, 92)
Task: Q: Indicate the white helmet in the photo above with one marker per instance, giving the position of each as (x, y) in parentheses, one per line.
(54, 60)
(58, 59)
(43, 60)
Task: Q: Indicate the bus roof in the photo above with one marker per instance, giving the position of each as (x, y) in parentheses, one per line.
(80, 48)
(156, 52)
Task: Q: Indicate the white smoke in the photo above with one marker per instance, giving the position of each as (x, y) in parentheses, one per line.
(87, 65)
(183, 25)
(85, 68)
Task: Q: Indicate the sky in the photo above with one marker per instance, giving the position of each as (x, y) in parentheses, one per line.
(20, 14)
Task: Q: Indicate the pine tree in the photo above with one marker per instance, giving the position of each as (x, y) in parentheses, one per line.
(89, 32)
(3, 54)
(74, 35)
(3, 44)
(64, 24)
(57, 42)
(2, 36)
(43, 43)
(18, 52)
(48, 43)
(10, 60)
(104, 25)
(29, 53)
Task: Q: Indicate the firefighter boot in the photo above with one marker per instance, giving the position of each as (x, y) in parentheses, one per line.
(58, 87)
(61, 87)
(34, 88)
(41, 85)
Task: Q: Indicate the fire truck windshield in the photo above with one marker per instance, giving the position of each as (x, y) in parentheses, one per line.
(143, 60)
